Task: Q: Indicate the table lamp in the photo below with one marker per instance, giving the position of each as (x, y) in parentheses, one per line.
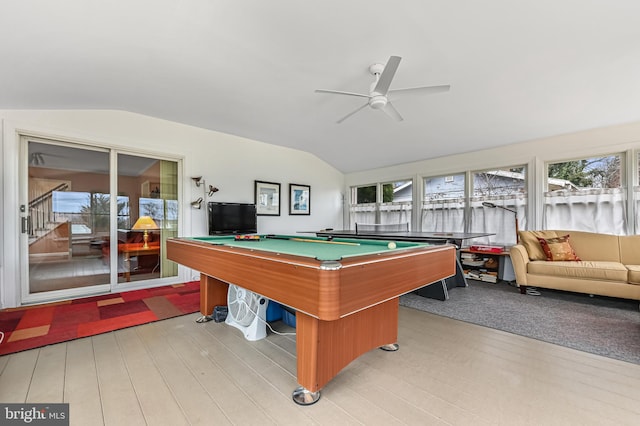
(493, 206)
(145, 223)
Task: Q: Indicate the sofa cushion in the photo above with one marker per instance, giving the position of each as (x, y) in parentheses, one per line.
(634, 274)
(594, 246)
(629, 249)
(558, 248)
(592, 270)
(529, 239)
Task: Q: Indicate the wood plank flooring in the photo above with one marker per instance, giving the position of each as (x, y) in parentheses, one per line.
(80, 271)
(178, 372)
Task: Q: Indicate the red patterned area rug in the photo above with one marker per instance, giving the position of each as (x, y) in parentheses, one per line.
(41, 325)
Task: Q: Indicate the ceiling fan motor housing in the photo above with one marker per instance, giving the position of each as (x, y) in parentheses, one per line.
(376, 69)
(378, 102)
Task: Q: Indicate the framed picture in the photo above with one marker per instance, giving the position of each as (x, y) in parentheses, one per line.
(299, 199)
(267, 198)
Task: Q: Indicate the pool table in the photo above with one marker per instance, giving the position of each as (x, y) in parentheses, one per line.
(345, 291)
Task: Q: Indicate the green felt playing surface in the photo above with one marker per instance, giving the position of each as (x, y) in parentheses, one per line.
(321, 250)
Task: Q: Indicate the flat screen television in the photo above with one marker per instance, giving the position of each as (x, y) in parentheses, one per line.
(232, 218)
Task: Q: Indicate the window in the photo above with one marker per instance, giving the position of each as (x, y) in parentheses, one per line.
(586, 194)
(499, 203)
(84, 210)
(124, 217)
(447, 208)
(444, 203)
(397, 202)
(636, 195)
(366, 194)
(385, 203)
(364, 209)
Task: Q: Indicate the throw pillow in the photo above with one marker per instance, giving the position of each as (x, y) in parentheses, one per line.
(530, 240)
(558, 248)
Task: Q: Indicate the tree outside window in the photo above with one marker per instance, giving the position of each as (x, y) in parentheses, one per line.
(366, 194)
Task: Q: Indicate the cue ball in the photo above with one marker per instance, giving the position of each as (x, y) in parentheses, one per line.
(391, 245)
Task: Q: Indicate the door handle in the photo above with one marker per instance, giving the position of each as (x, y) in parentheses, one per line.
(25, 224)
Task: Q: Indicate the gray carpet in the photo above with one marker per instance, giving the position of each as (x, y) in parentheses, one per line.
(599, 325)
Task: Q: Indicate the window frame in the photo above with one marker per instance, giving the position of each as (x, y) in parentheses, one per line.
(379, 203)
(626, 225)
(468, 198)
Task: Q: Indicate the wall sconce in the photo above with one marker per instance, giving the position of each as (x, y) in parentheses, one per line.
(199, 181)
(197, 204)
(515, 215)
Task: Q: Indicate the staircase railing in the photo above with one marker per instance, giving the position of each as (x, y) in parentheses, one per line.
(41, 209)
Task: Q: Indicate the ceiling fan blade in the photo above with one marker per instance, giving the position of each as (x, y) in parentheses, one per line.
(392, 112)
(424, 89)
(389, 71)
(337, 92)
(351, 113)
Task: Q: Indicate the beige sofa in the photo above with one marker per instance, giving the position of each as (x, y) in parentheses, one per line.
(609, 265)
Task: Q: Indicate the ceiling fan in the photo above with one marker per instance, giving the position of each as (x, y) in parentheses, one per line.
(38, 158)
(379, 89)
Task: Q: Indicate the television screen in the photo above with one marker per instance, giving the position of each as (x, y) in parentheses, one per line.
(232, 218)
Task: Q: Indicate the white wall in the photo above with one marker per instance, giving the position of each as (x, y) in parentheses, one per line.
(228, 162)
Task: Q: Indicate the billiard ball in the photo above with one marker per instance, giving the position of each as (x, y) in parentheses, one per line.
(391, 245)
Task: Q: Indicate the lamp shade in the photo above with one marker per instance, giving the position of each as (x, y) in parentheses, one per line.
(145, 223)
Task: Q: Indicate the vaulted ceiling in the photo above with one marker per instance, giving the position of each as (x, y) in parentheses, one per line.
(518, 70)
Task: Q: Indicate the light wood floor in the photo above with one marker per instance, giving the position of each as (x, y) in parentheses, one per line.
(177, 372)
(80, 271)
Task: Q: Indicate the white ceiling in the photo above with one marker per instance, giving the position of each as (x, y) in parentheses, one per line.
(518, 70)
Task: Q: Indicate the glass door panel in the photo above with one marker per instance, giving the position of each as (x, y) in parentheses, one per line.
(68, 217)
(147, 216)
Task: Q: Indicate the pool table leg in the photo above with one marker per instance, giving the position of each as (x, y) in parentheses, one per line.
(324, 348)
(391, 347)
(213, 292)
(302, 396)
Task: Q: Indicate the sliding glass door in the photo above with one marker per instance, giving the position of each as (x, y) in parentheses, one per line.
(67, 217)
(147, 216)
(75, 241)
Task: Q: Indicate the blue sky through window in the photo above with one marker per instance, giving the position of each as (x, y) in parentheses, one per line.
(73, 202)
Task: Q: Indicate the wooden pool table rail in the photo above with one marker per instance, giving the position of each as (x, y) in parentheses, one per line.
(302, 283)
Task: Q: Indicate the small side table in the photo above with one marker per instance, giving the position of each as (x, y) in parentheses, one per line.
(503, 268)
(132, 250)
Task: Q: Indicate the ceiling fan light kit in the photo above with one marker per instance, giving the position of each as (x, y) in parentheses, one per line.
(379, 89)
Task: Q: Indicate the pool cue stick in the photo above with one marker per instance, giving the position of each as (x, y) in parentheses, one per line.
(308, 240)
